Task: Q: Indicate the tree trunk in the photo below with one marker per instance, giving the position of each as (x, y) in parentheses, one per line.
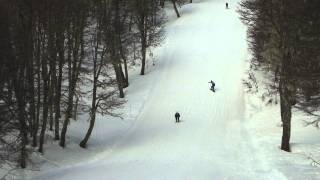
(66, 121)
(123, 78)
(119, 79)
(47, 82)
(45, 110)
(53, 87)
(75, 109)
(58, 95)
(175, 8)
(38, 107)
(23, 126)
(23, 133)
(70, 99)
(83, 143)
(68, 112)
(285, 105)
(31, 90)
(36, 124)
(24, 142)
(126, 74)
(126, 78)
(24, 155)
(51, 117)
(143, 48)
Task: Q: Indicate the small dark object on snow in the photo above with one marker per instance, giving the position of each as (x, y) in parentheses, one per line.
(177, 116)
(212, 86)
(227, 6)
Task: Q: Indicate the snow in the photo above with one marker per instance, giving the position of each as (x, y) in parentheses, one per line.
(223, 135)
(264, 124)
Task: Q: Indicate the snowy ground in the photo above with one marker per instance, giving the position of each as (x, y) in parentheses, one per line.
(223, 135)
(264, 125)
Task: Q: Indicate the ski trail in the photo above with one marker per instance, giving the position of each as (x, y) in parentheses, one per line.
(207, 43)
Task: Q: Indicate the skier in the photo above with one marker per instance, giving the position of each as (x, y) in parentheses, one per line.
(177, 116)
(227, 6)
(212, 86)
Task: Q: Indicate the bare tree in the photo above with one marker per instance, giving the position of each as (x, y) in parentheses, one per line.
(149, 32)
(282, 53)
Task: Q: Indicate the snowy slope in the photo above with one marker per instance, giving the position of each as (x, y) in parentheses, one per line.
(207, 43)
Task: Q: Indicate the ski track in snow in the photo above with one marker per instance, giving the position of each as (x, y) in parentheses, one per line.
(207, 42)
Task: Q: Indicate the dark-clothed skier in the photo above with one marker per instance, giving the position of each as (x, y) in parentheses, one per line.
(227, 6)
(212, 86)
(177, 116)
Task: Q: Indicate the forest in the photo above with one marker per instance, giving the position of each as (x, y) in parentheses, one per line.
(55, 54)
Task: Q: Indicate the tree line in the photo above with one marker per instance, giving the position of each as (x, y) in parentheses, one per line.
(284, 38)
(53, 51)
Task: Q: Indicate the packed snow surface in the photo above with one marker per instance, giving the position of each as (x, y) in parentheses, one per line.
(211, 142)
